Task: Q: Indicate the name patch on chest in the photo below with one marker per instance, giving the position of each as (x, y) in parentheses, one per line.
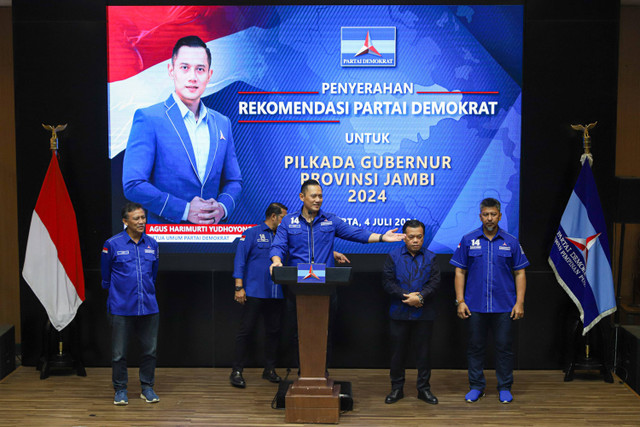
(149, 251)
(326, 223)
(122, 253)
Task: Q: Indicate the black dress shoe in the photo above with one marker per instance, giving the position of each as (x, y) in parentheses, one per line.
(237, 380)
(427, 396)
(394, 396)
(270, 375)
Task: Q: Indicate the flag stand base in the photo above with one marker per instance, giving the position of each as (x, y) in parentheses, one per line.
(585, 359)
(588, 365)
(60, 360)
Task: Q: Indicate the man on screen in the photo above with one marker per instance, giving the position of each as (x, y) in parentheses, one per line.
(180, 161)
(307, 236)
(490, 286)
(411, 276)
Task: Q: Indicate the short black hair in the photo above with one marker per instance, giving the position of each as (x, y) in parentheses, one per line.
(275, 208)
(308, 183)
(190, 41)
(130, 207)
(413, 223)
(490, 202)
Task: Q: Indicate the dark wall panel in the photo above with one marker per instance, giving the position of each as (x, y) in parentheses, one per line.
(570, 73)
(570, 78)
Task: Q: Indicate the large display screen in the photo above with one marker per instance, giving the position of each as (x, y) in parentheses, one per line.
(400, 112)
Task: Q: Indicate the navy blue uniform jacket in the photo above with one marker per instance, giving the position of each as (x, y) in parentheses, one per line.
(159, 169)
(403, 274)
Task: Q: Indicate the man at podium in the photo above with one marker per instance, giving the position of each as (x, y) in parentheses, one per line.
(307, 236)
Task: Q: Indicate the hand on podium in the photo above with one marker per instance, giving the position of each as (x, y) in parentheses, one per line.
(275, 262)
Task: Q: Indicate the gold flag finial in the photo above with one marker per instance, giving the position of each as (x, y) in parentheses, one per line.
(586, 141)
(53, 142)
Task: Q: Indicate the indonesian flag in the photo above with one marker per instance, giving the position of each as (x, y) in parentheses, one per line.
(52, 264)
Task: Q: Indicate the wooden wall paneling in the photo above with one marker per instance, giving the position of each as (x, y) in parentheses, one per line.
(9, 270)
(628, 145)
(628, 129)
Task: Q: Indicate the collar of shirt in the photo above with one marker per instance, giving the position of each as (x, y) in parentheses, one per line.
(198, 131)
(480, 233)
(405, 251)
(320, 217)
(265, 227)
(141, 241)
(185, 112)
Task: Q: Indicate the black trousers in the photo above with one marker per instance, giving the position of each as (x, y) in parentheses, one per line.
(271, 310)
(403, 334)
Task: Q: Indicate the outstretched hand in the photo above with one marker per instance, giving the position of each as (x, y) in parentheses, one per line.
(392, 236)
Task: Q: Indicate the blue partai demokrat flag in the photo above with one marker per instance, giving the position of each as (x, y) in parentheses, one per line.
(580, 256)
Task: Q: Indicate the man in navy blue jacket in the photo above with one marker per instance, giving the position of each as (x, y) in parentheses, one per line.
(258, 294)
(411, 276)
(129, 266)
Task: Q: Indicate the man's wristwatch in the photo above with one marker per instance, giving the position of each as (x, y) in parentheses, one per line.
(458, 302)
(239, 288)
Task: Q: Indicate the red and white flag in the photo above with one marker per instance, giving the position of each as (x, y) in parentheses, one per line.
(52, 263)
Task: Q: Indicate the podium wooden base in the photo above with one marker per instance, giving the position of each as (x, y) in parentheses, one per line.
(312, 398)
(308, 401)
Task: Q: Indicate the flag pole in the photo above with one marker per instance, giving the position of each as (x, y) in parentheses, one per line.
(587, 154)
(586, 146)
(53, 141)
(586, 141)
(588, 361)
(61, 360)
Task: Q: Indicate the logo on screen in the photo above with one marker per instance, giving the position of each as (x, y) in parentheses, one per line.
(368, 47)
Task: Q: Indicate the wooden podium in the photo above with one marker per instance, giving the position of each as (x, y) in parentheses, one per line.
(312, 398)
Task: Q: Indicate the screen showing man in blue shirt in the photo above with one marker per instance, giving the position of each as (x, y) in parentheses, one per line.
(257, 293)
(490, 285)
(411, 277)
(129, 265)
(180, 161)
